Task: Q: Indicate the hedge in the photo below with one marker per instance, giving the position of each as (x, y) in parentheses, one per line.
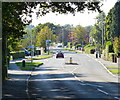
(88, 48)
(17, 54)
(112, 57)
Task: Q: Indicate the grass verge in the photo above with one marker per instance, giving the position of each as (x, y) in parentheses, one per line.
(115, 71)
(42, 57)
(72, 50)
(113, 67)
(29, 65)
(27, 68)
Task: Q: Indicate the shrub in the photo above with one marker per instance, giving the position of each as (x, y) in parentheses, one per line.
(112, 57)
(17, 54)
(108, 48)
(116, 45)
(88, 49)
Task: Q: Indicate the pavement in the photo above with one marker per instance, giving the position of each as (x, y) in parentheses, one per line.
(105, 64)
(15, 87)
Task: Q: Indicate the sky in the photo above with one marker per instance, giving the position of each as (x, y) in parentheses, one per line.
(83, 19)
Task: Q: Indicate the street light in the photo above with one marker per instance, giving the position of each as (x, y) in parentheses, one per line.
(102, 26)
(102, 32)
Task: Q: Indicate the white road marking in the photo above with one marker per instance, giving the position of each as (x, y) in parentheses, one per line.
(102, 65)
(117, 98)
(102, 91)
(85, 83)
(94, 85)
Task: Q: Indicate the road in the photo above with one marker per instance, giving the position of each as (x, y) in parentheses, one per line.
(85, 79)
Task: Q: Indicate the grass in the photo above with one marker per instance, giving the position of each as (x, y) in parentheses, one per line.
(42, 57)
(113, 67)
(27, 68)
(115, 71)
(72, 50)
(29, 63)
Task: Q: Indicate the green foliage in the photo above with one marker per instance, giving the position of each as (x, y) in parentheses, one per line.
(115, 71)
(112, 27)
(29, 63)
(78, 34)
(42, 57)
(87, 46)
(96, 32)
(72, 50)
(78, 45)
(17, 54)
(69, 44)
(113, 67)
(27, 68)
(88, 49)
(108, 43)
(45, 34)
(116, 45)
(112, 57)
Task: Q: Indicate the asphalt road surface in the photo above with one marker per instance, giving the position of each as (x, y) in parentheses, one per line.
(86, 78)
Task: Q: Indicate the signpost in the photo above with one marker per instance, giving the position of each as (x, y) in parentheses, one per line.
(48, 44)
(32, 51)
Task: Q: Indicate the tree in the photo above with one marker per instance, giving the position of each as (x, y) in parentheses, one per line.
(112, 27)
(97, 31)
(79, 34)
(45, 34)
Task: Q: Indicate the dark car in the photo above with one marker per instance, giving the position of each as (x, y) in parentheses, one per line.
(27, 53)
(59, 55)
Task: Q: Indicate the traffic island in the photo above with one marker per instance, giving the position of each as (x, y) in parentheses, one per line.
(28, 65)
(71, 63)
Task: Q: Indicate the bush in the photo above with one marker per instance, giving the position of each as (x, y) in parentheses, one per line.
(92, 51)
(17, 54)
(116, 45)
(112, 57)
(89, 49)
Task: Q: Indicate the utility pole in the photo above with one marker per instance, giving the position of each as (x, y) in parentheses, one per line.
(62, 36)
(102, 32)
(32, 47)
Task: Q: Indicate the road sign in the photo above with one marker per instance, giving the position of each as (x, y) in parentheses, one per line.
(48, 42)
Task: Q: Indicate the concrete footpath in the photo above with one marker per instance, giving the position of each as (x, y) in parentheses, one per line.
(105, 64)
(15, 87)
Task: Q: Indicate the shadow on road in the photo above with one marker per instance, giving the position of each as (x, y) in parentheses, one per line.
(61, 86)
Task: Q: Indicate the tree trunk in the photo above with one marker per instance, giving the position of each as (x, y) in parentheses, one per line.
(4, 57)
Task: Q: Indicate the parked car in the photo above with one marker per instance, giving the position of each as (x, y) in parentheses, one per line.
(27, 53)
(60, 45)
(59, 55)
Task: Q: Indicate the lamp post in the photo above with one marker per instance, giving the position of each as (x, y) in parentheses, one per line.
(32, 46)
(62, 37)
(102, 32)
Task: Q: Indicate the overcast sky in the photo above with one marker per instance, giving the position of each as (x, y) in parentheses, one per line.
(83, 19)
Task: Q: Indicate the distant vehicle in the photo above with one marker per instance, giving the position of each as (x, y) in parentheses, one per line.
(59, 55)
(59, 45)
(27, 53)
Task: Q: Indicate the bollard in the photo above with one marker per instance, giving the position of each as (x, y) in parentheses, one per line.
(23, 63)
(70, 59)
(11, 57)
